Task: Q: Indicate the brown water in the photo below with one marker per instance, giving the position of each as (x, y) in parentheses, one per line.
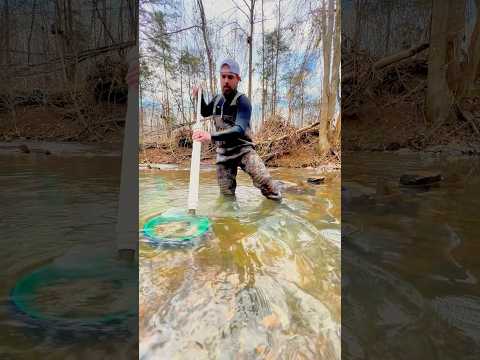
(265, 284)
(410, 267)
(61, 211)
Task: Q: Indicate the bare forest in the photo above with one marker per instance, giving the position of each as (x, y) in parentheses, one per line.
(410, 75)
(289, 54)
(63, 68)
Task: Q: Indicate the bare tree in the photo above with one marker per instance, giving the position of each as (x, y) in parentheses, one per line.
(264, 89)
(439, 100)
(472, 66)
(327, 18)
(208, 49)
(6, 32)
(274, 90)
(335, 134)
(250, 15)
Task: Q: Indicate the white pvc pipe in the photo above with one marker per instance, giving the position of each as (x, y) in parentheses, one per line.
(127, 220)
(195, 163)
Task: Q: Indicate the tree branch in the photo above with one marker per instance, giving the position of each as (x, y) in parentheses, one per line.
(392, 59)
(297, 132)
(103, 23)
(246, 4)
(26, 70)
(178, 31)
(399, 56)
(239, 8)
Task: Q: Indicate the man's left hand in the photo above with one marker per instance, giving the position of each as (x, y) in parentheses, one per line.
(202, 136)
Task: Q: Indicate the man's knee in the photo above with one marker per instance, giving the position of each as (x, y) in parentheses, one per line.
(262, 178)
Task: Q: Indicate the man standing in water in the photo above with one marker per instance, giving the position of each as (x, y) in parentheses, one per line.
(232, 112)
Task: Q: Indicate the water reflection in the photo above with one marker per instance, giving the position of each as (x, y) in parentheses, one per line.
(409, 284)
(264, 285)
(61, 212)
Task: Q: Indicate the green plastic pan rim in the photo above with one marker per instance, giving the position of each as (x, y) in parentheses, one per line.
(201, 225)
(23, 294)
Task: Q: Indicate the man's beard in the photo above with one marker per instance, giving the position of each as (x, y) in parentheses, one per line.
(227, 91)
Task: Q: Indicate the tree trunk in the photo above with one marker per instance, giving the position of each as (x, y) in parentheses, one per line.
(32, 24)
(456, 33)
(104, 11)
(472, 67)
(250, 49)
(6, 25)
(274, 92)
(358, 4)
(439, 100)
(337, 137)
(290, 98)
(263, 67)
(389, 28)
(335, 81)
(167, 100)
(302, 103)
(120, 25)
(325, 113)
(270, 79)
(211, 65)
(182, 106)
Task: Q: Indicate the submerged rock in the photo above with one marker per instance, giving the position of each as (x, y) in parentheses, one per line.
(356, 191)
(28, 150)
(316, 181)
(404, 151)
(393, 146)
(420, 178)
(24, 149)
(293, 188)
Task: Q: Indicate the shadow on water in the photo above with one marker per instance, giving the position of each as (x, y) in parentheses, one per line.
(264, 284)
(408, 275)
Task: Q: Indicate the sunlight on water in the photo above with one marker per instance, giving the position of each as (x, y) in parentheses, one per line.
(264, 283)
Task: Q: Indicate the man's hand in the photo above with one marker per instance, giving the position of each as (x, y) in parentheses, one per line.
(202, 136)
(133, 75)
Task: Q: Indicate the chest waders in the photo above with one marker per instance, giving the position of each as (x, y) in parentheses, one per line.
(223, 122)
(230, 149)
(239, 153)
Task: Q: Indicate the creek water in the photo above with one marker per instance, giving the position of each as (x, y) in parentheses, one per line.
(61, 211)
(265, 282)
(409, 266)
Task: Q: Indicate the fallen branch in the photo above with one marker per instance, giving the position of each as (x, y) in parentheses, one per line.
(32, 69)
(391, 59)
(468, 117)
(402, 55)
(266, 158)
(298, 132)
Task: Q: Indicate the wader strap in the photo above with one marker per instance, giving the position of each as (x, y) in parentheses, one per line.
(220, 97)
(234, 101)
(217, 100)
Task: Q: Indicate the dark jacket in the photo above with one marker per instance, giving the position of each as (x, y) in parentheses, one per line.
(232, 124)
